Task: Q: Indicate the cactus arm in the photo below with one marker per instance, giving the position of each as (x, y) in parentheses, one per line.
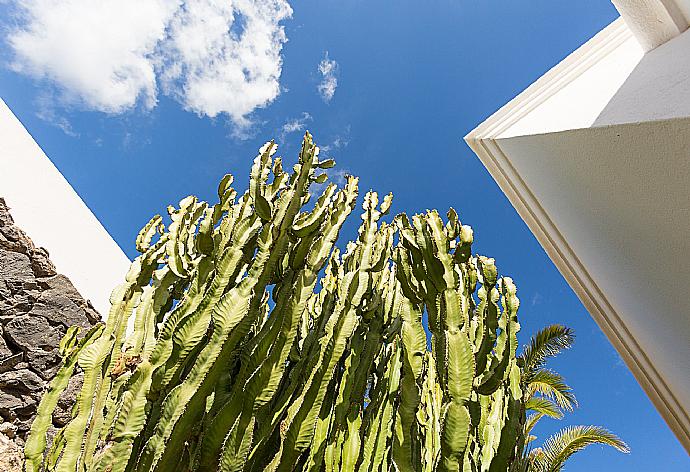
(406, 444)
(322, 453)
(379, 419)
(227, 314)
(241, 433)
(143, 241)
(352, 443)
(506, 343)
(457, 417)
(82, 433)
(125, 430)
(428, 417)
(302, 415)
(36, 442)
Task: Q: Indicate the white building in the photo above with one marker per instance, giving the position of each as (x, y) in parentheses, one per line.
(79, 246)
(595, 157)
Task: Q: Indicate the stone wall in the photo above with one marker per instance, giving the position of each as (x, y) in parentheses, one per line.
(37, 305)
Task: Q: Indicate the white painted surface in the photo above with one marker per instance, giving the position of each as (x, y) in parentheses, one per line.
(658, 88)
(574, 93)
(595, 157)
(653, 22)
(611, 207)
(619, 196)
(44, 205)
(609, 80)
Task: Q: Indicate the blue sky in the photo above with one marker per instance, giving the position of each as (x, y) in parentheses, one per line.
(409, 80)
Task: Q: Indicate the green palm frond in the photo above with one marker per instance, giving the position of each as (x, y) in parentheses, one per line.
(547, 343)
(531, 422)
(552, 385)
(559, 447)
(544, 406)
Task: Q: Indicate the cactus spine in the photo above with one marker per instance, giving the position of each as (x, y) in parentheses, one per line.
(257, 345)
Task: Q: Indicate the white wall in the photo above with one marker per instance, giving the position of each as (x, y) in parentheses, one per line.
(595, 157)
(609, 80)
(657, 88)
(619, 196)
(44, 205)
(576, 91)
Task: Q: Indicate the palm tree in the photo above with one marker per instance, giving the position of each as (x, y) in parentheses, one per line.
(546, 393)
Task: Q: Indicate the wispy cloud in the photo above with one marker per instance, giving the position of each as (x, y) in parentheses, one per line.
(114, 55)
(537, 299)
(47, 112)
(338, 176)
(328, 69)
(294, 125)
(339, 142)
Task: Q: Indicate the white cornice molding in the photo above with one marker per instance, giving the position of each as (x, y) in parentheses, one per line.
(486, 140)
(592, 52)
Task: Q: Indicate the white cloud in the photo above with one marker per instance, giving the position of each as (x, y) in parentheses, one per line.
(46, 112)
(213, 57)
(537, 299)
(338, 176)
(339, 142)
(328, 69)
(295, 124)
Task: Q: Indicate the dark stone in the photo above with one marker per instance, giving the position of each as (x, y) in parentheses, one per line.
(93, 316)
(5, 350)
(33, 332)
(5, 291)
(13, 234)
(12, 362)
(8, 429)
(57, 307)
(62, 284)
(23, 381)
(18, 304)
(44, 363)
(13, 405)
(16, 270)
(5, 216)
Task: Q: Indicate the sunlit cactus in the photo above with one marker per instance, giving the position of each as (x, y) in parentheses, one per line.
(243, 339)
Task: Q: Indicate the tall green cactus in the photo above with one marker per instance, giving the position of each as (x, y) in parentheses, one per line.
(244, 340)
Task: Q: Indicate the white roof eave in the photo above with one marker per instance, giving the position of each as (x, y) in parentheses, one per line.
(553, 164)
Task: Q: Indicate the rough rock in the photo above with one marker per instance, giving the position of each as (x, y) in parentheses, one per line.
(11, 455)
(5, 350)
(30, 333)
(23, 381)
(44, 363)
(16, 270)
(41, 264)
(37, 306)
(8, 429)
(15, 405)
